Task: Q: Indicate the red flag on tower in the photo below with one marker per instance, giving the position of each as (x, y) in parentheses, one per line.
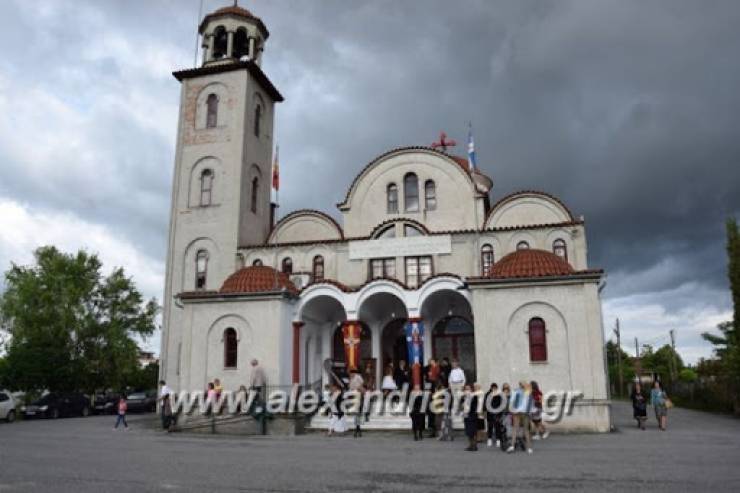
(276, 170)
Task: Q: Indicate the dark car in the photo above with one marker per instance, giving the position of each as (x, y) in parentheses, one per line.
(55, 405)
(142, 401)
(106, 403)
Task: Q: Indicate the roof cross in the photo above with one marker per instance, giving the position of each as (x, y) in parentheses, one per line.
(444, 142)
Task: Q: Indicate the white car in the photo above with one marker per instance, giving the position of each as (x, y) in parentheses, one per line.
(7, 406)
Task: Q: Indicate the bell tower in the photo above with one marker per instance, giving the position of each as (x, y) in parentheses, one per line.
(221, 183)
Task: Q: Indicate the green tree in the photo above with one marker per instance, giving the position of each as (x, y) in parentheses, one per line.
(727, 344)
(71, 328)
(662, 362)
(628, 371)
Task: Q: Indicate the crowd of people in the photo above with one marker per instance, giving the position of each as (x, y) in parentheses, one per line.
(509, 419)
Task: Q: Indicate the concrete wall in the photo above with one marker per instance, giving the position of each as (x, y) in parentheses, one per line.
(574, 331)
(264, 331)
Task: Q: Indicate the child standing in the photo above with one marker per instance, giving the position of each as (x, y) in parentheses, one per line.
(122, 408)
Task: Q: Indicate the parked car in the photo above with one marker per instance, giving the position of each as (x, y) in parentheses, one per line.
(7, 406)
(55, 405)
(106, 403)
(142, 401)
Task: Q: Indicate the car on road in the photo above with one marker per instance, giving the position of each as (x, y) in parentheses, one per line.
(106, 403)
(55, 405)
(7, 406)
(145, 401)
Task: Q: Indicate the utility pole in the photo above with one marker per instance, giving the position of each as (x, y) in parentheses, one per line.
(619, 358)
(674, 365)
(637, 360)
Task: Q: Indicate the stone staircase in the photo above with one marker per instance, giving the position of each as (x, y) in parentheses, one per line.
(382, 422)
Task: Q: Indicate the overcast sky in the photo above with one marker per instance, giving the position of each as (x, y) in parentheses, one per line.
(629, 111)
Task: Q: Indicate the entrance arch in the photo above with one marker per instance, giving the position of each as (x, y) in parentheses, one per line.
(321, 316)
(450, 317)
(381, 311)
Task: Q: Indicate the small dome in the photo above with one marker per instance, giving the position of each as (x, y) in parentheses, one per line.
(530, 263)
(257, 279)
(234, 11)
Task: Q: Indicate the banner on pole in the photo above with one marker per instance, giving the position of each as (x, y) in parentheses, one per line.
(351, 331)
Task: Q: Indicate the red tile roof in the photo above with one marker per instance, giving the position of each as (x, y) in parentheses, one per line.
(530, 263)
(257, 279)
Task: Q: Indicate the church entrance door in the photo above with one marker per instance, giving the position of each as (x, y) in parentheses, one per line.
(393, 343)
(453, 338)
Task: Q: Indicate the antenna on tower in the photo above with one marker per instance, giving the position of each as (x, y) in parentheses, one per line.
(197, 34)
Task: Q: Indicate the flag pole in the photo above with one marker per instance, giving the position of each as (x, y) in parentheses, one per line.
(276, 185)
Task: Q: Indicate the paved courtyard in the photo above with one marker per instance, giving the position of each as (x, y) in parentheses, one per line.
(698, 452)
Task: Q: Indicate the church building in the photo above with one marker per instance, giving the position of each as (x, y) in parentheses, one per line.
(501, 284)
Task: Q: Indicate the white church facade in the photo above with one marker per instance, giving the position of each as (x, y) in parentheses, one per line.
(502, 285)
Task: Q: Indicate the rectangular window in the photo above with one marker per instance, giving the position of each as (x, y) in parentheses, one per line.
(382, 267)
(418, 270)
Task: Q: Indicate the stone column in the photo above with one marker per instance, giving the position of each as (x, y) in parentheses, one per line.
(297, 351)
(251, 48)
(377, 332)
(230, 44)
(326, 342)
(209, 50)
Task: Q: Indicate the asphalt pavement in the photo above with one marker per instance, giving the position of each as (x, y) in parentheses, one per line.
(699, 452)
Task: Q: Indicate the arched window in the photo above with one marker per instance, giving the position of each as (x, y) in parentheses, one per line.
(257, 262)
(559, 249)
(318, 268)
(211, 111)
(537, 340)
(241, 43)
(220, 42)
(486, 259)
(430, 195)
(522, 245)
(411, 192)
(230, 348)
(257, 119)
(287, 265)
(392, 198)
(409, 230)
(255, 193)
(206, 187)
(201, 269)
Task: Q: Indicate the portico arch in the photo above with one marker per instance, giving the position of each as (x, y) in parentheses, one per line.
(448, 316)
(384, 312)
(319, 315)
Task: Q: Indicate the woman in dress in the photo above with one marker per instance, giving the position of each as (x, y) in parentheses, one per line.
(539, 427)
(388, 384)
(417, 412)
(639, 405)
(658, 399)
(471, 417)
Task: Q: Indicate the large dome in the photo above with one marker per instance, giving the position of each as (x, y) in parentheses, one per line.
(530, 263)
(257, 279)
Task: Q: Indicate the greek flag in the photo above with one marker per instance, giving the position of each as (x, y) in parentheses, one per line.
(471, 148)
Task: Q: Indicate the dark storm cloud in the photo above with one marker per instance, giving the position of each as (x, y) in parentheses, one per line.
(628, 111)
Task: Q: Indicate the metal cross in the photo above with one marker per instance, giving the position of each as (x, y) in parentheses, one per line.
(443, 143)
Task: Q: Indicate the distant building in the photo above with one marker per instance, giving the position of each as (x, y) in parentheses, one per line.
(505, 287)
(146, 358)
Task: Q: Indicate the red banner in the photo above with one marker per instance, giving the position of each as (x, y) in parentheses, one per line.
(351, 332)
